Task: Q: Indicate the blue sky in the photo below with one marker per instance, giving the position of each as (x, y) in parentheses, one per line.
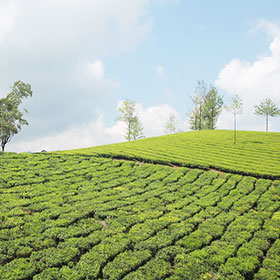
(82, 58)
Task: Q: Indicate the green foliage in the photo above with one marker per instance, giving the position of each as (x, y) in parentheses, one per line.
(171, 125)
(203, 149)
(212, 108)
(125, 263)
(268, 109)
(69, 216)
(196, 115)
(134, 129)
(11, 118)
(207, 106)
(17, 269)
(236, 105)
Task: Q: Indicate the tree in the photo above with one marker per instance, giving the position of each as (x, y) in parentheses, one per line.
(268, 109)
(171, 124)
(235, 107)
(11, 118)
(134, 129)
(212, 108)
(198, 99)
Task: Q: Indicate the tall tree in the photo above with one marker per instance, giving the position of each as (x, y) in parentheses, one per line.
(235, 107)
(268, 109)
(198, 99)
(134, 129)
(212, 108)
(11, 118)
(171, 124)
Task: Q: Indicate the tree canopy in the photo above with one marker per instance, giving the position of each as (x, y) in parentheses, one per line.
(134, 129)
(267, 108)
(207, 106)
(171, 125)
(11, 118)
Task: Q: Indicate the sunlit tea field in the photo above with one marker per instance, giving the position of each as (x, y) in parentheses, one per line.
(81, 215)
(256, 153)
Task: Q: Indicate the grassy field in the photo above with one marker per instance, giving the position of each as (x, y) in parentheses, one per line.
(82, 215)
(256, 153)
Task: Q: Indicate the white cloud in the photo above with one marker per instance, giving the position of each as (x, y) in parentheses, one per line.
(90, 81)
(59, 48)
(63, 27)
(254, 81)
(80, 136)
(271, 28)
(160, 71)
(96, 133)
(8, 13)
(96, 69)
(154, 118)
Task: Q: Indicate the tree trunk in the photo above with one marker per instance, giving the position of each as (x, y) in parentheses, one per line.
(234, 129)
(266, 122)
(3, 148)
(129, 130)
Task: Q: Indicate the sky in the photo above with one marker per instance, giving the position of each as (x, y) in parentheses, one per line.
(84, 58)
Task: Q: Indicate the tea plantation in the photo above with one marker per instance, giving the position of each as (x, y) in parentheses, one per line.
(83, 215)
(256, 153)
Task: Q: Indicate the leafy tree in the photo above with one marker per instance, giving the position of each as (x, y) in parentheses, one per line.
(198, 99)
(134, 129)
(212, 108)
(171, 124)
(235, 107)
(11, 118)
(268, 109)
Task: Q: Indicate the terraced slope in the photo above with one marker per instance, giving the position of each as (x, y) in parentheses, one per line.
(256, 153)
(82, 217)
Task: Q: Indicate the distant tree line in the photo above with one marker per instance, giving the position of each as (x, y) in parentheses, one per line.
(207, 105)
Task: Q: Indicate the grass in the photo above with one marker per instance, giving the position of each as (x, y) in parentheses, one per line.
(256, 153)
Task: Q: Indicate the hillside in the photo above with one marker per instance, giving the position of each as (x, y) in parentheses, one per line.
(82, 215)
(256, 153)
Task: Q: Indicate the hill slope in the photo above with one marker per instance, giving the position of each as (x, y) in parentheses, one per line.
(256, 153)
(80, 215)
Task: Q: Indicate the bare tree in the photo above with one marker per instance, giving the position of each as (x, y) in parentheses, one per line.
(235, 107)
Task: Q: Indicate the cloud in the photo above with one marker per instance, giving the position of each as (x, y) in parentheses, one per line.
(160, 71)
(254, 81)
(90, 79)
(59, 47)
(271, 28)
(154, 118)
(96, 69)
(96, 132)
(59, 28)
(8, 13)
